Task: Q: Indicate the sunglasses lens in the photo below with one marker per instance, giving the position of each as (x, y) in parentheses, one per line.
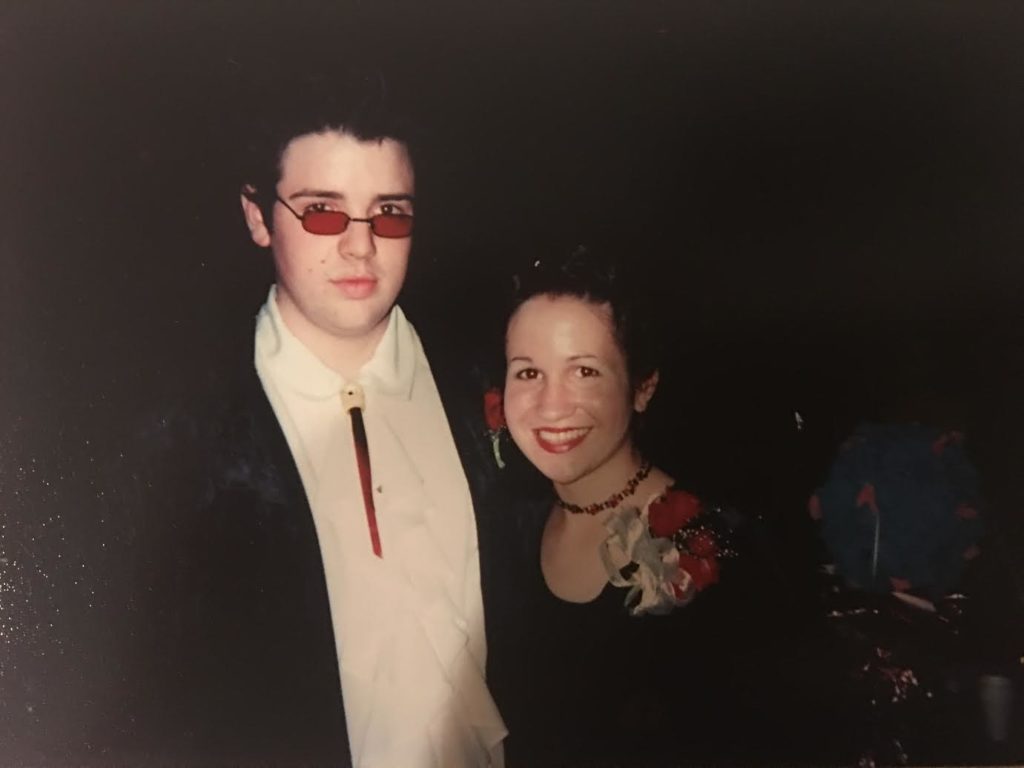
(392, 225)
(325, 222)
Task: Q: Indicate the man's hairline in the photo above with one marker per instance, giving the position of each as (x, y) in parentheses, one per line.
(340, 131)
(265, 197)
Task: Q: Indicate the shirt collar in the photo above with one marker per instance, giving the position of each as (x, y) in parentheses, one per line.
(390, 371)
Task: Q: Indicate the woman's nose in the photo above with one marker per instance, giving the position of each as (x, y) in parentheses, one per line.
(555, 400)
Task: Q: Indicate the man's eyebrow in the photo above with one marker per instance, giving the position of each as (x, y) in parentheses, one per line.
(332, 195)
(316, 193)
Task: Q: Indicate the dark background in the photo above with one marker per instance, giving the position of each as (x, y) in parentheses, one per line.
(829, 197)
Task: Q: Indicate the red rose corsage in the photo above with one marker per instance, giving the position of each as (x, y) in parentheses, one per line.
(494, 414)
(673, 545)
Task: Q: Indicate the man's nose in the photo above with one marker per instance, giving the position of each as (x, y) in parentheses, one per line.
(357, 241)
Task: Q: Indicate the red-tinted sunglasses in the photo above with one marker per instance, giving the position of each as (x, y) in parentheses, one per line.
(336, 222)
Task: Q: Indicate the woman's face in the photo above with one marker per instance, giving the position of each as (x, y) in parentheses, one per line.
(568, 399)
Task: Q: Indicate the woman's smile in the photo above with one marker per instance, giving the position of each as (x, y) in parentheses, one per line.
(560, 440)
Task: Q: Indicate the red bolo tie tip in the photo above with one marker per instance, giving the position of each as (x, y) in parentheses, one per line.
(353, 401)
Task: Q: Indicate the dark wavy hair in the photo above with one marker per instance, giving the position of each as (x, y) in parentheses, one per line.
(361, 104)
(599, 278)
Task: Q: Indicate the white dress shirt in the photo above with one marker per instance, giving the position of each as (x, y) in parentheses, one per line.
(408, 627)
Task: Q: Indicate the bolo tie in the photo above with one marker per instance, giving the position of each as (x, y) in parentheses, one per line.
(354, 401)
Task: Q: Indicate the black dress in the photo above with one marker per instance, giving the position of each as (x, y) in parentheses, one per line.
(592, 685)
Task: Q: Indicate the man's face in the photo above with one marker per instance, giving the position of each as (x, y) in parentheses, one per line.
(337, 287)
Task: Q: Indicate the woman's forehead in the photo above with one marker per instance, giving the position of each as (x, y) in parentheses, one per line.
(563, 323)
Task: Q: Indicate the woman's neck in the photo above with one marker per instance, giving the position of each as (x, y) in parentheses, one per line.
(603, 482)
(571, 545)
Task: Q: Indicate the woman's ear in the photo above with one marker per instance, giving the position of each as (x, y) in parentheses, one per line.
(644, 392)
(258, 229)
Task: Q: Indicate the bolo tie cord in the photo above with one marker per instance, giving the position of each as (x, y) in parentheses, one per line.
(354, 401)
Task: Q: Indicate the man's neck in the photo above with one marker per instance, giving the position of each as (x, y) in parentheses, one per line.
(345, 355)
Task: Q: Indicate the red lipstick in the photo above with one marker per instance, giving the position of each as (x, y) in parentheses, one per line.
(560, 440)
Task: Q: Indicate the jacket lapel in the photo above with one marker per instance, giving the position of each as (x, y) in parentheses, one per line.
(461, 387)
(266, 609)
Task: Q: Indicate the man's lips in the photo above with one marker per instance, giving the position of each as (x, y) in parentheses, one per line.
(560, 440)
(355, 287)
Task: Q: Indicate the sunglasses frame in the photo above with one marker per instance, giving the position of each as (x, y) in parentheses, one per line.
(372, 221)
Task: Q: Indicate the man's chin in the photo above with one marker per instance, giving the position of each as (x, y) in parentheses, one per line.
(356, 326)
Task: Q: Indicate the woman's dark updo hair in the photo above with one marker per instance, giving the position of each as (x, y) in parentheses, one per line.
(597, 278)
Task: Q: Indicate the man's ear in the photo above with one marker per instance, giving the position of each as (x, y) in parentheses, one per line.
(644, 392)
(258, 229)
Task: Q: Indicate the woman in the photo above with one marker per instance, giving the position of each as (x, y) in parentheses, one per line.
(639, 633)
(571, 391)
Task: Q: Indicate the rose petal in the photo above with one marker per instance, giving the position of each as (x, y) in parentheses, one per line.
(866, 498)
(899, 585)
(966, 511)
(814, 507)
(494, 410)
(671, 512)
(703, 570)
(702, 544)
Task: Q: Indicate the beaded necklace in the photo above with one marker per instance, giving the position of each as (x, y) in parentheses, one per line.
(612, 501)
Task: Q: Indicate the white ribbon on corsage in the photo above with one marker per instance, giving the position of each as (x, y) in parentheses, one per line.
(656, 582)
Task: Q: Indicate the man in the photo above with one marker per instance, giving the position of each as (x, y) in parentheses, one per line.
(338, 606)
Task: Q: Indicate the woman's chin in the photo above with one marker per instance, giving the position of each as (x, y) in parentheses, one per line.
(563, 468)
(558, 473)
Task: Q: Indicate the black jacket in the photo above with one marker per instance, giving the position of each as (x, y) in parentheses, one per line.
(243, 643)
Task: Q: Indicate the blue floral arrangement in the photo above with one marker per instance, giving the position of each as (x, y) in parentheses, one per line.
(900, 511)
